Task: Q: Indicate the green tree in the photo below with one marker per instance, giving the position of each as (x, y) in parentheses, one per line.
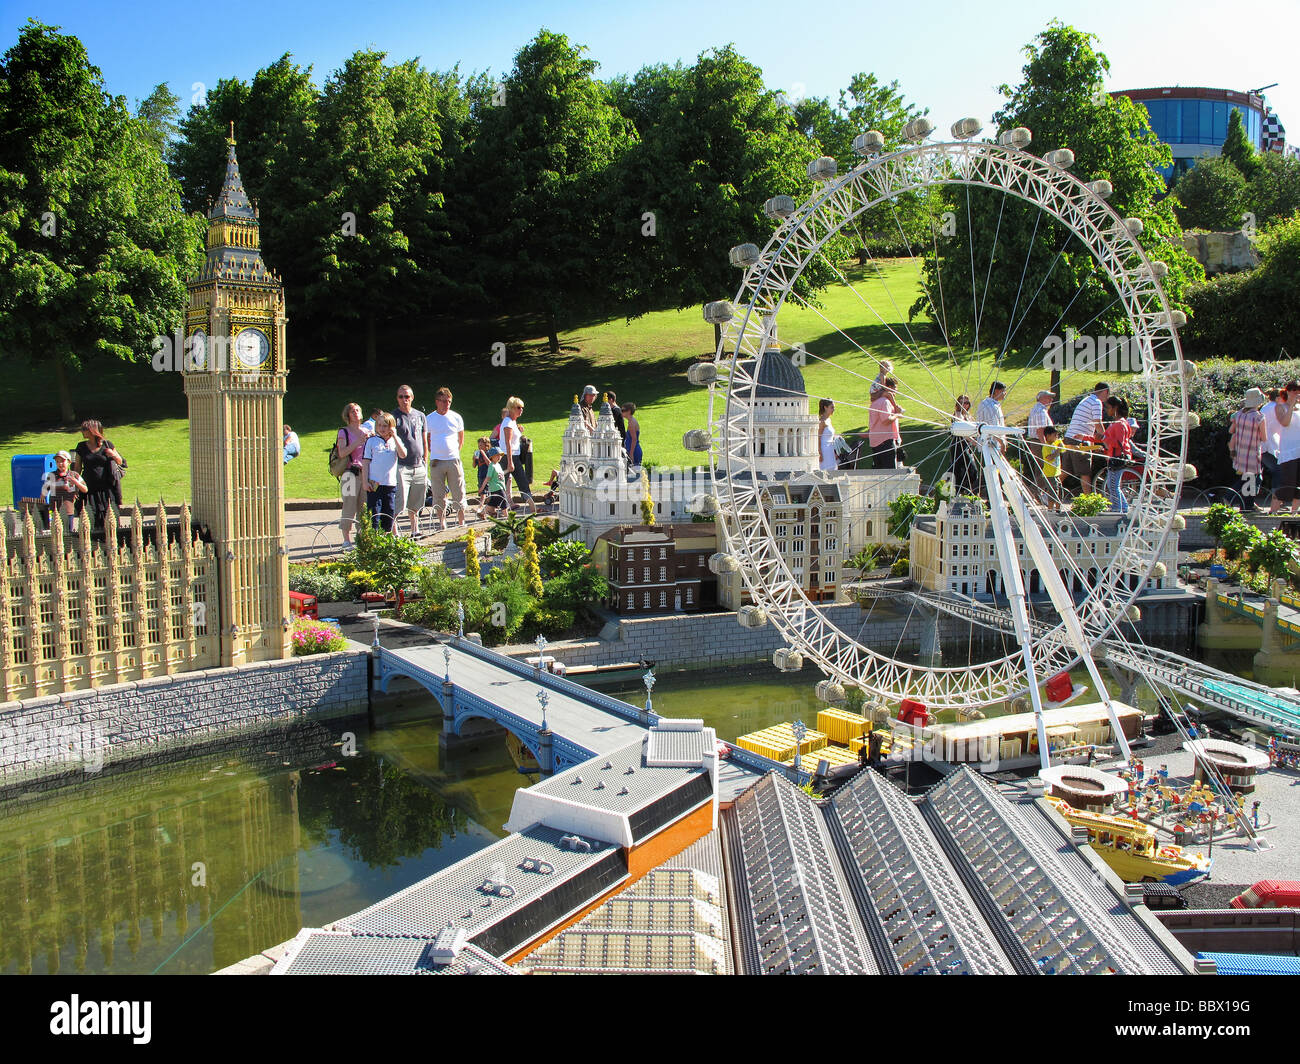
(1211, 195)
(1275, 188)
(1275, 553)
(1237, 148)
(1240, 537)
(94, 248)
(536, 169)
(714, 145)
(1040, 280)
(159, 111)
(1217, 518)
(828, 127)
(381, 200)
(647, 502)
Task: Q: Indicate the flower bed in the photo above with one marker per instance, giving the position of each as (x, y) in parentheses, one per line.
(315, 637)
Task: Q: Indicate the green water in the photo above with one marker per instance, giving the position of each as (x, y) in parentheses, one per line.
(191, 866)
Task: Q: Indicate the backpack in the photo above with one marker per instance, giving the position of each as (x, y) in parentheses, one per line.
(339, 464)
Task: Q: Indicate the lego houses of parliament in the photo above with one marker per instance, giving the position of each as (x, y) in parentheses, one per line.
(78, 611)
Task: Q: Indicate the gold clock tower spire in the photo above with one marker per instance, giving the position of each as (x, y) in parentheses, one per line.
(235, 372)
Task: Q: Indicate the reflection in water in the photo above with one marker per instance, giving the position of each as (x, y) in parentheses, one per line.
(193, 865)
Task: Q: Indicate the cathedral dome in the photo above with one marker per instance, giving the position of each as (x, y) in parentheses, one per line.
(778, 377)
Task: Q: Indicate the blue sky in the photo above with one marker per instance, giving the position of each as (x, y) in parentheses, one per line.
(946, 56)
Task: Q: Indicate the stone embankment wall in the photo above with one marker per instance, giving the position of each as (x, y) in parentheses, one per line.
(83, 731)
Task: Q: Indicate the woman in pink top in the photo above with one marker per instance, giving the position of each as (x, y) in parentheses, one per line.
(351, 443)
(882, 427)
(1118, 444)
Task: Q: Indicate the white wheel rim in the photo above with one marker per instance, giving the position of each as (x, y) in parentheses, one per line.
(764, 290)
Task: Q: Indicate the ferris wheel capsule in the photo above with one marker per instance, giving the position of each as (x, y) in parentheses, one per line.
(1177, 319)
(917, 130)
(1134, 226)
(751, 616)
(703, 504)
(719, 312)
(1133, 614)
(1062, 157)
(744, 255)
(1190, 369)
(1193, 419)
(1018, 138)
(1160, 269)
(1178, 523)
(779, 207)
(872, 142)
(702, 373)
(965, 128)
(1190, 472)
(830, 692)
(823, 169)
(1102, 188)
(1159, 570)
(723, 563)
(787, 660)
(696, 440)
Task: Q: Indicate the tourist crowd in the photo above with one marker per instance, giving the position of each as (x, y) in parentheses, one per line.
(403, 461)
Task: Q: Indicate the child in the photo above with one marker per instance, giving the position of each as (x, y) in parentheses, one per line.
(481, 463)
(379, 471)
(878, 385)
(62, 489)
(496, 485)
(1052, 448)
(553, 487)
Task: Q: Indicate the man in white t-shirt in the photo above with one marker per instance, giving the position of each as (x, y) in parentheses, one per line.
(1082, 457)
(989, 412)
(446, 474)
(1271, 430)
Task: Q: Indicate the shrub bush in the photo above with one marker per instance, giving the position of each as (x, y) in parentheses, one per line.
(577, 590)
(563, 556)
(389, 561)
(326, 583)
(315, 637)
(1089, 505)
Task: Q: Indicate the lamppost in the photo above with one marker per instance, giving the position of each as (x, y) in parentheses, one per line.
(800, 730)
(446, 664)
(460, 620)
(649, 680)
(541, 650)
(544, 698)
(375, 617)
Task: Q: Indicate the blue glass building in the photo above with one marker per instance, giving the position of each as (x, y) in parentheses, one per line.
(1194, 121)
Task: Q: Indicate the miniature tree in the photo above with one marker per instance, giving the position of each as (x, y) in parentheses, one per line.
(1274, 553)
(532, 563)
(1217, 518)
(1240, 537)
(471, 558)
(647, 502)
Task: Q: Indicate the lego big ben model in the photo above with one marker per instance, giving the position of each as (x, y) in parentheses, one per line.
(235, 372)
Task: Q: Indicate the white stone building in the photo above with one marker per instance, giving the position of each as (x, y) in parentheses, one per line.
(954, 550)
(848, 508)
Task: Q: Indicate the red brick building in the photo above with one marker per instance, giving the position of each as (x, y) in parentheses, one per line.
(658, 569)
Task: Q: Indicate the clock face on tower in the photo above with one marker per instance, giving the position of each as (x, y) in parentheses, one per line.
(252, 348)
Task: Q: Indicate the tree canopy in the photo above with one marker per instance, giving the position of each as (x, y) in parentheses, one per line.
(93, 244)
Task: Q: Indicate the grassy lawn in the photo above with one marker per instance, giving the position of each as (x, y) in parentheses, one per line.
(644, 361)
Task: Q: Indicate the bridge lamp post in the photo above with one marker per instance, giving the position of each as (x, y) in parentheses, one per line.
(800, 730)
(544, 699)
(460, 620)
(649, 680)
(446, 665)
(541, 650)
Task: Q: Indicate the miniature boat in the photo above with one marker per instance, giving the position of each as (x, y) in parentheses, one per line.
(1132, 850)
(523, 758)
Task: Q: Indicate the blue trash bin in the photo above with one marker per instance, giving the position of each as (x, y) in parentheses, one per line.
(27, 473)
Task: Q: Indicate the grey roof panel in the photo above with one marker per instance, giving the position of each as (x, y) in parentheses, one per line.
(317, 952)
(456, 896)
(930, 923)
(793, 913)
(1067, 921)
(618, 781)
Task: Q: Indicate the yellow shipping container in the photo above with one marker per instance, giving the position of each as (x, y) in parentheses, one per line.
(835, 755)
(840, 725)
(778, 742)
